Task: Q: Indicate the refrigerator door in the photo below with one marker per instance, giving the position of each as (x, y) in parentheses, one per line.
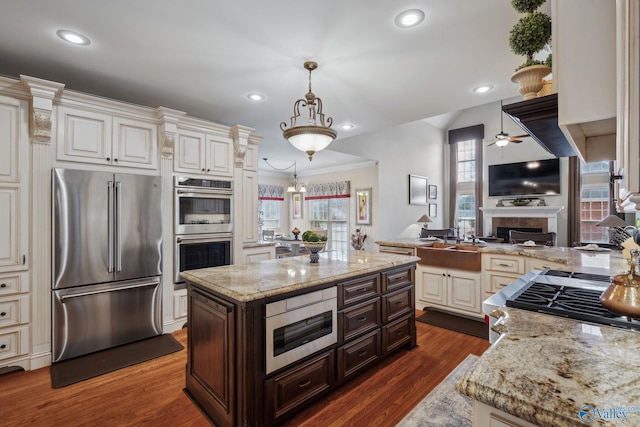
(81, 225)
(93, 318)
(138, 226)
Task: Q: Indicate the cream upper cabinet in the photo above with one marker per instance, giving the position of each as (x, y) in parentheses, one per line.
(92, 137)
(14, 185)
(200, 153)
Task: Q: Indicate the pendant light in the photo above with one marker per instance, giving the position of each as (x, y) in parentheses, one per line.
(314, 135)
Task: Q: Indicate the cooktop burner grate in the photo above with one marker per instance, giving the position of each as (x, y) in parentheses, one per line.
(571, 302)
(574, 275)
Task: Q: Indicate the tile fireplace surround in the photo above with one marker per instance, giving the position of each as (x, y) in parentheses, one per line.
(545, 217)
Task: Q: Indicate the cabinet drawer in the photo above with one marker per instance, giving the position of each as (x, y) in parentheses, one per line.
(13, 284)
(358, 290)
(14, 342)
(356, 356)
(541, 264)
(497, 282)
(504, 263)
(396, 334)
(295, 386)
(14, 310)
(397, 304)
(358, 319)
(396, 279)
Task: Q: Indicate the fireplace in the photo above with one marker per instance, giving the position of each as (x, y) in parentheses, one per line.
(541, 218)
(503, 232)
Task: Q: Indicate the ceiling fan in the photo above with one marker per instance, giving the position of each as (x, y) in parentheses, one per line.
(503, 138)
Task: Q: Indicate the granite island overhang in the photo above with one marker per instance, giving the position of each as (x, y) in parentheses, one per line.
(265, 340)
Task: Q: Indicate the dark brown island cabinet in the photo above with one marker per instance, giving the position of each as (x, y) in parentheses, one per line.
(244, 366)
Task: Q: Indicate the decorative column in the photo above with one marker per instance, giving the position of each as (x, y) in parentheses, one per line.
(167, 130)
(43, 94)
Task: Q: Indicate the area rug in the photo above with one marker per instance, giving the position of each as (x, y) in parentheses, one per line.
(444, 406)
(92, 365)
(476, 328)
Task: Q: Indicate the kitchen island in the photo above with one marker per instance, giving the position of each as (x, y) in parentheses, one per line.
(245, 364)
(545, 369)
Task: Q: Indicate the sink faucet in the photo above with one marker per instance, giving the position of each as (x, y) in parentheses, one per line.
(457, 234)
(473, 239)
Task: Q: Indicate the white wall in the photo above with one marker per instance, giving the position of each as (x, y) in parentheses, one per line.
(412, 148)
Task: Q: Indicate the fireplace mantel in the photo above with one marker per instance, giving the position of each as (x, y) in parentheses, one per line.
(548, 212)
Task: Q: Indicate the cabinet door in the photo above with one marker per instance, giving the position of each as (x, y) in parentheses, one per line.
(190, 152)
(464, 291)
(218, 157)
(14, 231)
(432, 283)
(250, 206)
(84, 136)
(134, 144)
(12, 126)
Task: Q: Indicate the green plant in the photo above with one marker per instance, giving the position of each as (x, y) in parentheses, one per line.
(310, 236)
(531, 33)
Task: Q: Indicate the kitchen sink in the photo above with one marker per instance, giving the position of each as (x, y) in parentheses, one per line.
(460, 256)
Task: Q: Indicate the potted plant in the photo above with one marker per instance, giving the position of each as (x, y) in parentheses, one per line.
(530, 35)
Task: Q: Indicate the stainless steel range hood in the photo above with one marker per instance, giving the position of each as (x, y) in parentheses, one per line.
(538, 117)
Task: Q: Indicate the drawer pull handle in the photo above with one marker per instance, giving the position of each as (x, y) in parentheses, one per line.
(4, 285)
(361, 289)
(304, 383)
(361, 319)
(398, 333)
(3, 346)
(4, 313)
(399, 302)
(362, 353)
(504, 265)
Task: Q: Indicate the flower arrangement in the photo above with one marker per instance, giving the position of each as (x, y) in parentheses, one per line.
(296, 232)
(357, 240)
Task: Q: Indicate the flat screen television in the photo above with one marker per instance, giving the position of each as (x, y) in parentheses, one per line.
(534, 178)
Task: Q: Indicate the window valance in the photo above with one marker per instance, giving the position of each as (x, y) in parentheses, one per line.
(328, 190)
(270, 192)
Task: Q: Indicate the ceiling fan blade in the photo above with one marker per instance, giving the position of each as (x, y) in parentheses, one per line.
(491, 144)
(515, 141)
(526, 135)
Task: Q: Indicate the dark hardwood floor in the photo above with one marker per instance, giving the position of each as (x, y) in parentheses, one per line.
(150, 394)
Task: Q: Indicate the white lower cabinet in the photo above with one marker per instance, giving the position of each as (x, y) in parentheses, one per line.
(257, 254)
(453, 290)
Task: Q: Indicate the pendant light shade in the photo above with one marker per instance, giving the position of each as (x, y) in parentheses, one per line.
(315, 134)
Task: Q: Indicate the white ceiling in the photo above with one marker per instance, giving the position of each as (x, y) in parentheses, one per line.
(204, 56)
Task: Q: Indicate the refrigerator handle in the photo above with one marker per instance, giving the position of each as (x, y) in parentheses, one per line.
(110, 227)
(119, 226)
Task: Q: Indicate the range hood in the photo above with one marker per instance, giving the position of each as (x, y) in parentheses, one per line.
(539, 118)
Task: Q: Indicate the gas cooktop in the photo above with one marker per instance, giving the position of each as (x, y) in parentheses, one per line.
(571, 295)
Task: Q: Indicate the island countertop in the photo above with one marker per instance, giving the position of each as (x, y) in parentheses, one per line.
(545, 368)
(252, 282)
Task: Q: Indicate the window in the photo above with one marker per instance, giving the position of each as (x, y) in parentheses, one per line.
(465, 178)
(595, 201)
(269, 210)
(332, 215)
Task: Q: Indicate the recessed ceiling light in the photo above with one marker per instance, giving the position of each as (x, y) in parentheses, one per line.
(255, 97)
(346, 126)
(482, 89)
(73, 37)
(409, 18)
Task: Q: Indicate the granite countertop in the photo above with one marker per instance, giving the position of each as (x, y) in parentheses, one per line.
(575, 260)
(252, 282)
(545, 368)
(258, 244)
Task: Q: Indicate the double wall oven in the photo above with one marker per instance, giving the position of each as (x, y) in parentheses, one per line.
(203, 224)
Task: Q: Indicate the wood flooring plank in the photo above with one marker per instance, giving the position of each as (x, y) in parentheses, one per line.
(150, 393)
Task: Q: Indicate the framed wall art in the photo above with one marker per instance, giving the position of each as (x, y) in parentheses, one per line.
(296, 205)
(417, 190)
(433, 210)
(433, 191)
(363, 211)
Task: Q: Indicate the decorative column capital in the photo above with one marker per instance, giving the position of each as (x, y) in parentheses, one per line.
(43, 93)
(168, 127)
(240, 135)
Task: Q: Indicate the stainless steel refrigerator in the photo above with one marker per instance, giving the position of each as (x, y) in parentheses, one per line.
(107, 260)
